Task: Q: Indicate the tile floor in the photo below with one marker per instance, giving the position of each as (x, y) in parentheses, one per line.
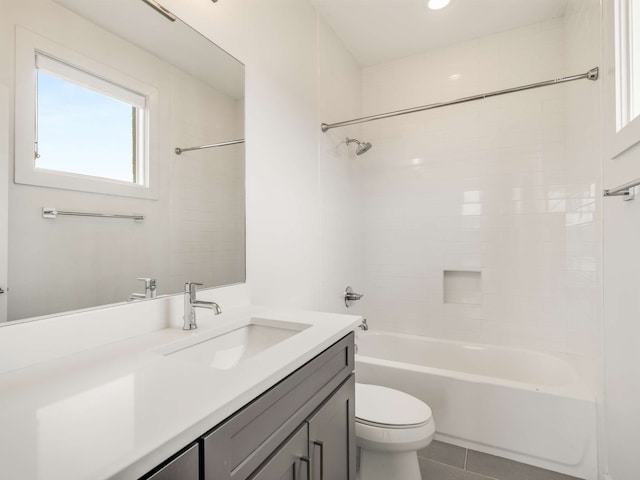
(442, 461)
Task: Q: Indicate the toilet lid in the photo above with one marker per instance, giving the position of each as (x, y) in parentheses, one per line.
(386, 406)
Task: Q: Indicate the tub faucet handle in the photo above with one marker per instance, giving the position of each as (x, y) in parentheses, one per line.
(350, 296)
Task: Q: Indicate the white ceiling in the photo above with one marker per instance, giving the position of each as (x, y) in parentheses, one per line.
(377, 31)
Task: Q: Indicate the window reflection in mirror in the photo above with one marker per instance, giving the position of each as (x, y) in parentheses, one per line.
(193, 228)
(83, 131)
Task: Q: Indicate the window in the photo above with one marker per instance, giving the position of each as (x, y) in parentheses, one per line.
(633, 29)
(627, 63)
(86, 125)
(80, 125)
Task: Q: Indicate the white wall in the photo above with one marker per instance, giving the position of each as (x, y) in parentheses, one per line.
(4, 196)
(479, 187)
(621, 237)
(78, 262)
(340, 173)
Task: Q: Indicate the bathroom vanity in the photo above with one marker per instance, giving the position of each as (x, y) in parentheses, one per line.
(275, 397)
(303, 424)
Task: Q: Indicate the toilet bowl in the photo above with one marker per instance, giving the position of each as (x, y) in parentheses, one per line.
(391, 426)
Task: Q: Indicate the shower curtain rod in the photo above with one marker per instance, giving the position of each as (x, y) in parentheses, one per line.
(179, 150)
(590, 75)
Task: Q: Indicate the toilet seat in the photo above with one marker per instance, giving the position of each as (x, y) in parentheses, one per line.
(383, 407)
(386, 425)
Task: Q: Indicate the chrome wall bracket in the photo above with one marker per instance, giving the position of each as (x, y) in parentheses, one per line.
(626, 190)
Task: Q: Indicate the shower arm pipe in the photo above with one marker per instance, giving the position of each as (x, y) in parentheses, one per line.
(179, 150)
(590, 75)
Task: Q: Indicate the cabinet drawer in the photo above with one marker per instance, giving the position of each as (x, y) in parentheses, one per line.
(237, 447)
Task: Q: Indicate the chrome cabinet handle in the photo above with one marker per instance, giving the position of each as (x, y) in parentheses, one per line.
(317, 443)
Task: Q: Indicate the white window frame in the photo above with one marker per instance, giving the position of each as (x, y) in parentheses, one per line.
(620, 133)
(100, 77)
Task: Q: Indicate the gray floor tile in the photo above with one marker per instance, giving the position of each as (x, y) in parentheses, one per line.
(505, 469)
(431, 470)
(444, 453)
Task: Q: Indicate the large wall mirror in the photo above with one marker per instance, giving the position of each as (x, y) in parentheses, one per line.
(100, 94)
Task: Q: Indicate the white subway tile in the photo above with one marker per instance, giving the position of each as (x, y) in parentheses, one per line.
(506, 185)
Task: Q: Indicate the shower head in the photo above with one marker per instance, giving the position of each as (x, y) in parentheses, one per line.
(362, 147)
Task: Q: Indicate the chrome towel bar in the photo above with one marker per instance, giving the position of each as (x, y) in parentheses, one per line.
(624, 190)
(49, 212)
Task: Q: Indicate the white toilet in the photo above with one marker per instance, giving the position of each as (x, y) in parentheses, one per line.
(391, 426)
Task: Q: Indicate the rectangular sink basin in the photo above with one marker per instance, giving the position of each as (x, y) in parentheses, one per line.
(232, 348)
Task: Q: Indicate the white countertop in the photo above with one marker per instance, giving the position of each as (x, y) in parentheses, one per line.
(118, 410)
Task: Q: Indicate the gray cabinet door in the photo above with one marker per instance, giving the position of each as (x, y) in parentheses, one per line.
(237, 447)
(289, 462)
(185, 466)
(332, 440)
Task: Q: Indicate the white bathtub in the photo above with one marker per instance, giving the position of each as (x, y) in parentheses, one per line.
(525, 405)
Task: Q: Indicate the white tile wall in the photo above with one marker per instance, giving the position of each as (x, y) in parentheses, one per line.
(496, 186)
(583, 221)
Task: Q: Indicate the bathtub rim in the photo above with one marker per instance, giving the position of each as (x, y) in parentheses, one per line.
(576, 389)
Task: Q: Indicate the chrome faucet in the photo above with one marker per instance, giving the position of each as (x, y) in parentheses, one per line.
(149, 290)
(364, 325)
(191, 303)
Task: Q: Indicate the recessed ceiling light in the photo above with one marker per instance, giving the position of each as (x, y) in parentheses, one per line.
(437, 4)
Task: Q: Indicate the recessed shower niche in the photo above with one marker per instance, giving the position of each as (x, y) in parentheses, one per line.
(462, 287)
